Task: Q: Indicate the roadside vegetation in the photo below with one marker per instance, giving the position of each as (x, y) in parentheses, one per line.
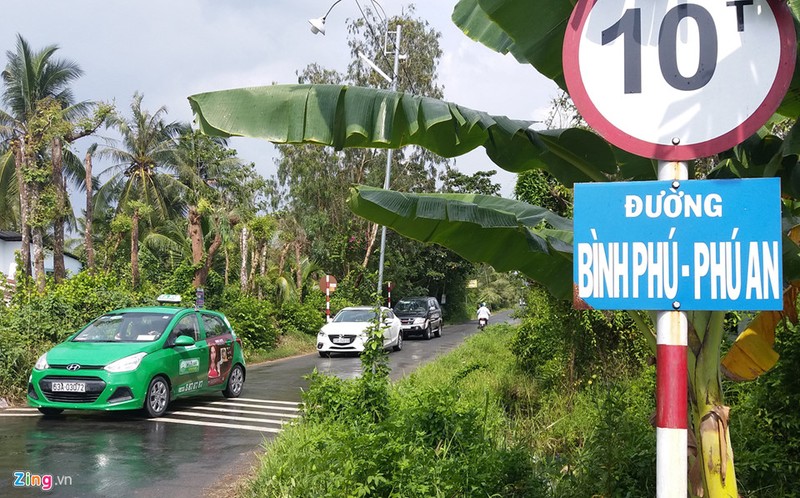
(559, 406)
(169, 210)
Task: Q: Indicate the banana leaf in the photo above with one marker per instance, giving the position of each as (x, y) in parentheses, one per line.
(509, 235)
(343, 116)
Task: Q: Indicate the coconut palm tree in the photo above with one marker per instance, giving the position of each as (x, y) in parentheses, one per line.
(30, 78)
(143, 173)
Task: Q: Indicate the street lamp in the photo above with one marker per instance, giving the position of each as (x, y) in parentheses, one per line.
(318, 26)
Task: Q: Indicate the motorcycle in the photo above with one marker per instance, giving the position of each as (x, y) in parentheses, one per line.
(482, 322)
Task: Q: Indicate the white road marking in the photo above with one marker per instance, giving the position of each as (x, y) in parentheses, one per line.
(215, 424)
(20, 414)
(247, 405)
(191, 413)
(238, 410)
(269, 401)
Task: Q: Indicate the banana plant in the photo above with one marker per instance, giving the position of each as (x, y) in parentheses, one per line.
(512, 235)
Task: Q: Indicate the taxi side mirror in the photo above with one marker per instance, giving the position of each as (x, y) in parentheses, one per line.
(184, 340)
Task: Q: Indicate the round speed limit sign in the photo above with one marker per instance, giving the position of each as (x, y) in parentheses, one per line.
(677, 80)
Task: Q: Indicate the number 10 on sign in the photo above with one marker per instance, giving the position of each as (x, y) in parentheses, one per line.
(677, 81)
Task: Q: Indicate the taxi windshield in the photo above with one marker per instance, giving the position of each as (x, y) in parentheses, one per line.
(125, 327)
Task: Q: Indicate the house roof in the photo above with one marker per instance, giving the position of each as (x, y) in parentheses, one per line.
(10, 236)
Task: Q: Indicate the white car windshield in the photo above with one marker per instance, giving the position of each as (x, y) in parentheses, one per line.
(125, 327)
(355, 316)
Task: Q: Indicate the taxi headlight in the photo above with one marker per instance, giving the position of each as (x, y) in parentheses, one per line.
(41, 363)
(127, 364)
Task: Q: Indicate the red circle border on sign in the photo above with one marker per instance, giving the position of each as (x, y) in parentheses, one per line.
(625, 141)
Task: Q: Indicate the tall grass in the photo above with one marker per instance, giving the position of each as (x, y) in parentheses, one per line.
(444, 435)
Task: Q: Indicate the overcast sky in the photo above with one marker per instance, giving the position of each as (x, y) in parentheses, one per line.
(170, 49)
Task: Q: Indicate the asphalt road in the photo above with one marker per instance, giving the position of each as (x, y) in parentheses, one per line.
(200, 446)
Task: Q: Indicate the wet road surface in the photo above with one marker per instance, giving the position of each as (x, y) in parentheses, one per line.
(200, 445)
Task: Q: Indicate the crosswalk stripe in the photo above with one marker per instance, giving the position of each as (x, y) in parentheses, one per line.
(20, 414)
(20, 410)
(270, 401)
(246, 405)
(215, 424)
(190, 413)
(250, 412)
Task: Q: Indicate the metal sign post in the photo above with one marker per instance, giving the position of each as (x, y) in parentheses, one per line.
(672, 421)
(327, 284)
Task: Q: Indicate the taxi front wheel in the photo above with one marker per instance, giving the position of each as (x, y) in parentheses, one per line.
(157, 399)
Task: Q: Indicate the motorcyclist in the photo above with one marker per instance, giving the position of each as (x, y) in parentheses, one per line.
(484, 313)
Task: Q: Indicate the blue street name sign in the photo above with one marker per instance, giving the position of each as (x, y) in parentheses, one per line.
(689, 245)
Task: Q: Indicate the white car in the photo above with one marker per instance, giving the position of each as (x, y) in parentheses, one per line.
(346, 333)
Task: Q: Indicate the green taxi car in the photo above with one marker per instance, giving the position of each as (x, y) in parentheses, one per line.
(139, 358)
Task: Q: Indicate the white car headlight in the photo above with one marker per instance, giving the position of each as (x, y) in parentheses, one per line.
(127, 364)
(41, 363)
(419, 321)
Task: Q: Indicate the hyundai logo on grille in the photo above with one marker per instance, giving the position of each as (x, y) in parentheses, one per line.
(73, 366)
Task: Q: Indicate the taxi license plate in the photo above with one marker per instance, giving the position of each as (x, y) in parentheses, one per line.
(69, 387)
(341, 340)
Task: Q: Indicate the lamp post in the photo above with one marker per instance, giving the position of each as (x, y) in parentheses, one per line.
(389, 152)
(318, 26)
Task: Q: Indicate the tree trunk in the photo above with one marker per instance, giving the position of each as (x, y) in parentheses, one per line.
(59, 270)
(263, 260)
(196, 239)
(24, 207)
(262, 263)
(711, 471)
(298, 270)
(135, 249)
(87, 235)
(206, 268)
(38, 257)
(253, 267)
(34, 192)
(373, 234)
(243, 268)
(227, 263)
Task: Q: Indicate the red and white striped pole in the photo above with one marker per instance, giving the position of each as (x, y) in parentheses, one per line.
(328, 298)
(389, 291)
(671, 382)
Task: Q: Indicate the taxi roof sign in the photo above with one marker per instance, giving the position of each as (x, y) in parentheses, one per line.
(169, 299)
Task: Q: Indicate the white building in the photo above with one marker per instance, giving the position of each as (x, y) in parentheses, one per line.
(11, 242)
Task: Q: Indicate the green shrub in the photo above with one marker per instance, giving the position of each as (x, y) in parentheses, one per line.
(252, 319)
(305, 318)
(765, 424)
(619, 456)
(180, 282)
(564, 348)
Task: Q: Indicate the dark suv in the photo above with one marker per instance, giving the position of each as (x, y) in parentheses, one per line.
(419, 315)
